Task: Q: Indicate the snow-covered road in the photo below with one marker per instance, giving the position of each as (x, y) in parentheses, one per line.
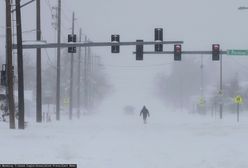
(122, 141)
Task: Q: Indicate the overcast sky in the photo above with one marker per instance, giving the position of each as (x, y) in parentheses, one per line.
(199, 23)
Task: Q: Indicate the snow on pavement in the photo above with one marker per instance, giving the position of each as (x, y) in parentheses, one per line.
(170, 139)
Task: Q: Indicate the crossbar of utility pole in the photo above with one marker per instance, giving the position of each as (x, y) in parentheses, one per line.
(93, 44)
(183, 52)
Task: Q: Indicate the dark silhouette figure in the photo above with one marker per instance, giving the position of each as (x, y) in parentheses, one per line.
(145, 113)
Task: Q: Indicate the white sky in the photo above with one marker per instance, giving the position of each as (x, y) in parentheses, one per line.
(199, 23)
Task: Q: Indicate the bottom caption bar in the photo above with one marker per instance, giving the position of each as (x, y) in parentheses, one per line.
(38, 165)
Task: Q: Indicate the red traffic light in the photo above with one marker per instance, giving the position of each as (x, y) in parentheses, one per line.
(178, 48)
(215, 52)
(216, 47)
(177, 52)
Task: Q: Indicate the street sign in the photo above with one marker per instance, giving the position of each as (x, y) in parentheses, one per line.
(237, 52)
(238, 100)
(66, 102)
(202, 101)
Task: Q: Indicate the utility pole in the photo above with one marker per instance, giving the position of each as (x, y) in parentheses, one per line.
(25, 4)
(93, 82)
(201, 76)
(85, 76)
(9, 88)
(202, 98)
(20, 67)
(88, 78)
(38, 75)
(221, 89)
(71, 76)
(79, 76)
(58, 62)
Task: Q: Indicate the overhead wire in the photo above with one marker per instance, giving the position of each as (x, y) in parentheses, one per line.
(65, 16)
(49, 5)
(49, 59)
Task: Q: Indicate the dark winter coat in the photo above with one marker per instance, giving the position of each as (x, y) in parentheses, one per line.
(145, 113)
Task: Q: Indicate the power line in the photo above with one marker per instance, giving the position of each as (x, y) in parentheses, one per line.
(49, 5)
(65, 16)
(49, 59)
(24, 32)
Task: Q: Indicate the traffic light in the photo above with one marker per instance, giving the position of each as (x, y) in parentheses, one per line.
(215, 52)
(139, 50)
(72, 38)
(158, 36)
(3, 75)
(115, 38)
(177, 52)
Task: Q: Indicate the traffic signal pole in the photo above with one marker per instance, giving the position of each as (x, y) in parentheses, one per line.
(79, 76)
(71, 74)
(221, 91)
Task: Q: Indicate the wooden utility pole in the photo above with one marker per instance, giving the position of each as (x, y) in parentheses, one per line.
(71, 75)
(79, 76)
(58, 62)
(20, 67)
(9, 88)
(38, 75)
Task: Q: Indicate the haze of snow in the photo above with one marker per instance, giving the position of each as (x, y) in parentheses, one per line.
(109, 138)
(170, 139)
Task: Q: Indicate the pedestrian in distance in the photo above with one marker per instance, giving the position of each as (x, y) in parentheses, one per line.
(145, 114)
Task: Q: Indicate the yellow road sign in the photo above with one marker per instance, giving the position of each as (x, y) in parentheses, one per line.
(66, 101)
(238, 100)
(202, 101)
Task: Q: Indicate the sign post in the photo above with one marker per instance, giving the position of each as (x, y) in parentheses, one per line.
(238, 100)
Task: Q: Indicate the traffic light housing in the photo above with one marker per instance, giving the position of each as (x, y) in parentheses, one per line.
(4, 75)
(215, 52)
(72, 38)
(177, 52)
(3, 78)
(115, 38)
(158, 36)
(139, 50)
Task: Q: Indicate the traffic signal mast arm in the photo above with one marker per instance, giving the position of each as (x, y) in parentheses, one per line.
(93, 44)
(183, 52)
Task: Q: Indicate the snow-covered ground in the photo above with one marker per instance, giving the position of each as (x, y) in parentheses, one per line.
(111, 139)
(115, 140)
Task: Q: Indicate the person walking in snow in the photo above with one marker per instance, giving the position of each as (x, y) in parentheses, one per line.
(145, 113)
